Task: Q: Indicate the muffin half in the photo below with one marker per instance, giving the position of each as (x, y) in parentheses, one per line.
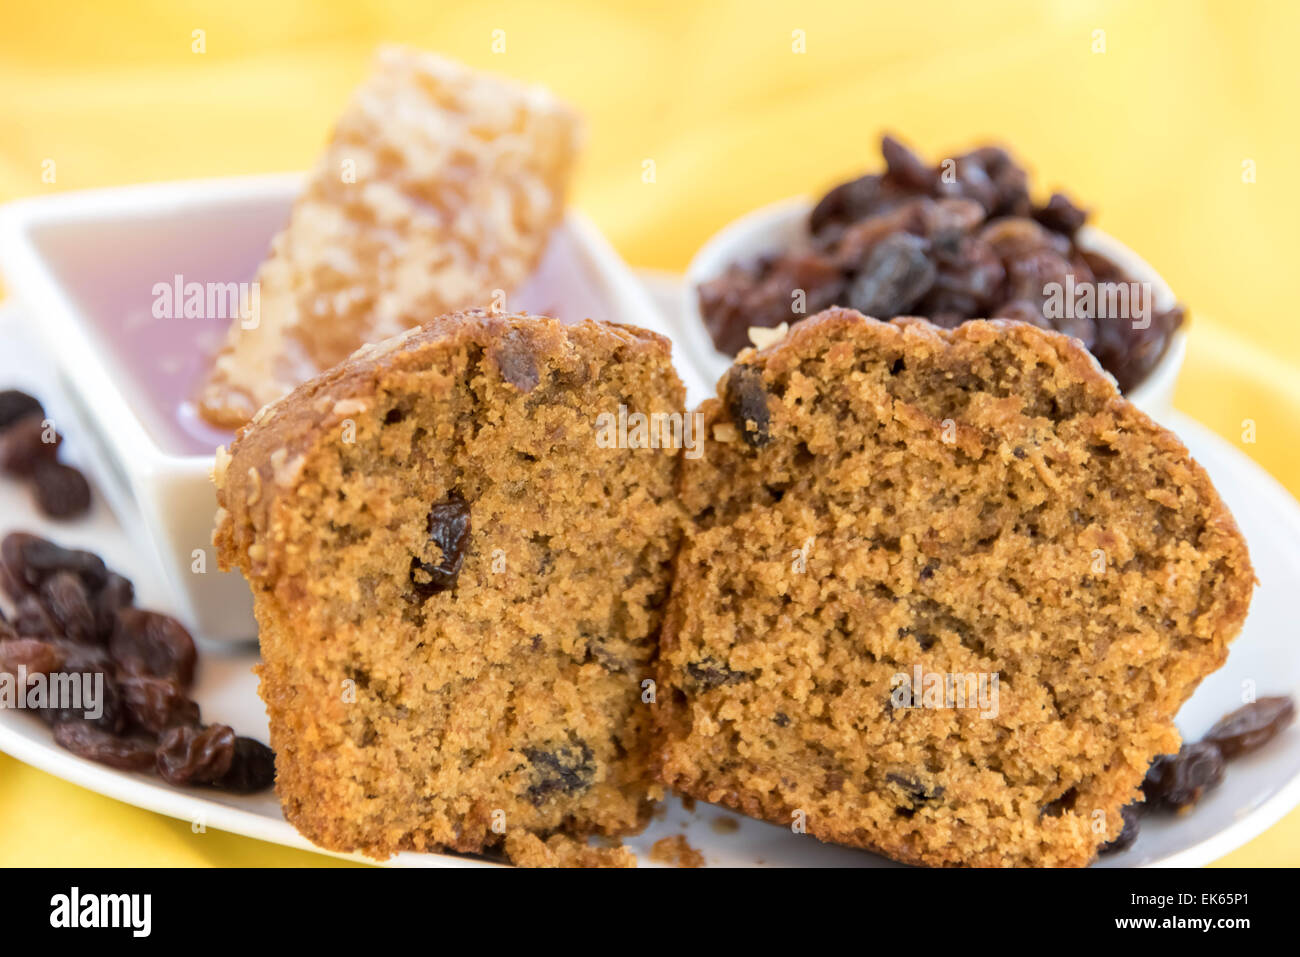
(458, 585)
(941, 595)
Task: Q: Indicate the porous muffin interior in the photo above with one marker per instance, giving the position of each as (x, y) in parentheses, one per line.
(414, 706)
(879, 497)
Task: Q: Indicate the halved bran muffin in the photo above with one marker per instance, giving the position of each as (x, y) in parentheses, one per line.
(882, 497)
(458, 590)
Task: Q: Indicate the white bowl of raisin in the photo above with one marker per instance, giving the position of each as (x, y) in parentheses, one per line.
(955, 241)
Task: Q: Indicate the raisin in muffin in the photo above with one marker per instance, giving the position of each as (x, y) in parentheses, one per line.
(458, 590)
(439, 187)
(882, 502)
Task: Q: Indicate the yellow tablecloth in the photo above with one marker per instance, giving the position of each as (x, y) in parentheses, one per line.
(1175, 120)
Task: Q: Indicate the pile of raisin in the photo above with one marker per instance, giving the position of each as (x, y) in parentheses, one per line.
(957, 241)
(74, 616)
(29, 450)
(1175, 782)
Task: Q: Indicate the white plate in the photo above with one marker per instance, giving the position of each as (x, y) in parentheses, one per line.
(1257, 792)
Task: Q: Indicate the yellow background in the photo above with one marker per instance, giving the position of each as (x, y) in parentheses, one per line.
(1152, 133)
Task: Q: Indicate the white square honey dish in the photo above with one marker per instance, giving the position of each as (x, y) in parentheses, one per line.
(100, 274)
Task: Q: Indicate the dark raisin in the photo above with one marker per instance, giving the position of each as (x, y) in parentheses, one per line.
(1021, 311)
(36, 656)
(565, 770)
(149, 643)
(1012, 186)
(927, 572)
(26, 560)
(819, 279)
(1179, 780)
(947, 222)
(95, 744)
(1061, 215)
(118, 592)
(156, 704)
(252, 768)
(516, 359)
(781, 719)
(1251, 726)
(857, 241)
(448, 530)
(1013, 238)
(711, 673)
(23, 447)
(767, 295)
(1030, 274)
(915, 792)
(190, 755)
(905, 167)
(747, 404)
(32, 618)
(1129, 353)
(91, 697)
(1057, 807)
(1029, 277)
(970, 180)
(967, 281)
(897, 274)
(926, 639)
(84, 659)
(12, 579)
(1132, 815)
(845, 203)
(67, 599)
(15, 405)
(61, 490)
(617, 656)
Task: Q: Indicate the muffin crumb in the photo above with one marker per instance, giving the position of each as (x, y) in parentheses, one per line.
(676, 851)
